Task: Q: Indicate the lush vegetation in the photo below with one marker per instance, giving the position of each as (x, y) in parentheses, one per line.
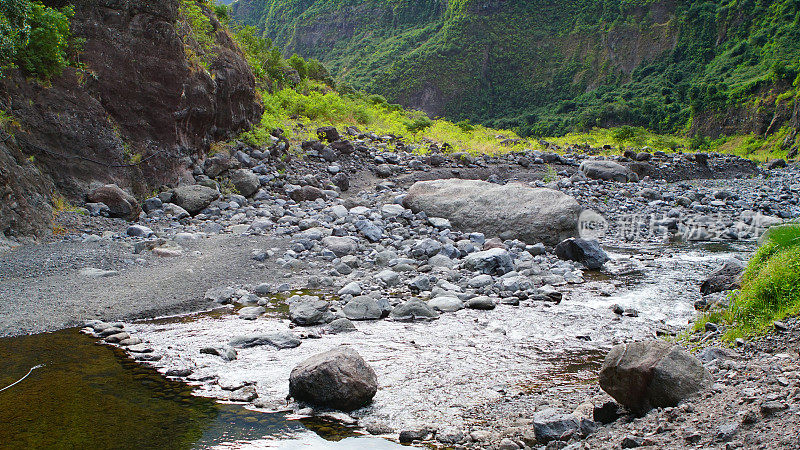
(35, 38)
(549, 68)
(770, 287)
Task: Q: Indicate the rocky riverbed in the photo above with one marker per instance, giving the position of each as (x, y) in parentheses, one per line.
(450, 290)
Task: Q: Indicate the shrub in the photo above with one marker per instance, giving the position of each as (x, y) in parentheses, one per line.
(45, 54)
(14, 31)
(419, 124)
(770, 285)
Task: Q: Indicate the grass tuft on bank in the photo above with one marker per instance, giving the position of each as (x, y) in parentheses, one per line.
(770, 287)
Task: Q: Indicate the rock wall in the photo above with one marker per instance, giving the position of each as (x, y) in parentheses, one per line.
(138, 112)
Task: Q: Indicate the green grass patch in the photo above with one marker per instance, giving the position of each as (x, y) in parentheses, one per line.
(770, 287)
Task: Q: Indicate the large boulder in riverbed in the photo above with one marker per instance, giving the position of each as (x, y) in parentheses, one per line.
(607, 171)
(651, 374)
(339, 379)
(588, 253)
(308, 310)
(514, 210)
(194, 198)
(120, 203)
(725, 278)
(245, 181)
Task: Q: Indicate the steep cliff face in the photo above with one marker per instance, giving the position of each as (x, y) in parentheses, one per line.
(545, 68)
(138, 111)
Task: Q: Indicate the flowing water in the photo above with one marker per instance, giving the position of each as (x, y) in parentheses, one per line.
(429, 373)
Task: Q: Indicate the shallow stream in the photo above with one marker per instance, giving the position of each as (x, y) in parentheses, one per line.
(430, 374)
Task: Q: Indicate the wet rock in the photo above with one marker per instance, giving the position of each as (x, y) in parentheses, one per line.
(120, 203)
(412, 310)
(366, 308)
(588, 253)
(516, 210)
(227, 353)
(338, 379)
(648, 374)
(309, 310)
(495, 261)
(725, 278)
(280, 340)
(607, 171)
(244, 395)
(194, 198)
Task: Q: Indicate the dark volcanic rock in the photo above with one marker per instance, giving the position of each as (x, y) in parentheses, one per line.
(330, 134)
(588, 253)
(651, 374)
(194, 198)
(725, 278)
(339, 378)
(139, 109)
(120, 203)
(306, 193)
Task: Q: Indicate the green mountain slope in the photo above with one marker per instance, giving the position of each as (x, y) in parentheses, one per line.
(544, 68)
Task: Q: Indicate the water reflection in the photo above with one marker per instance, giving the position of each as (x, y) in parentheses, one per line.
(92, 396)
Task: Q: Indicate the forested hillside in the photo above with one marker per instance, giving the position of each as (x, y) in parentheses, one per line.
(545, 68)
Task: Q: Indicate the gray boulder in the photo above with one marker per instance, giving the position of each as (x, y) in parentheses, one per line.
(310, 311)
(651, 374)
(412, 310)
(194, 198)
(588, 253)
(366, 308)
(251, 312)
(725, 278)
(494, 261)
(340, 246)
(549, 425)
(446, 304)
(245, 181)
(513, 210)
(280, 340)
(608, 171)
(339, 379)
(482, 303)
